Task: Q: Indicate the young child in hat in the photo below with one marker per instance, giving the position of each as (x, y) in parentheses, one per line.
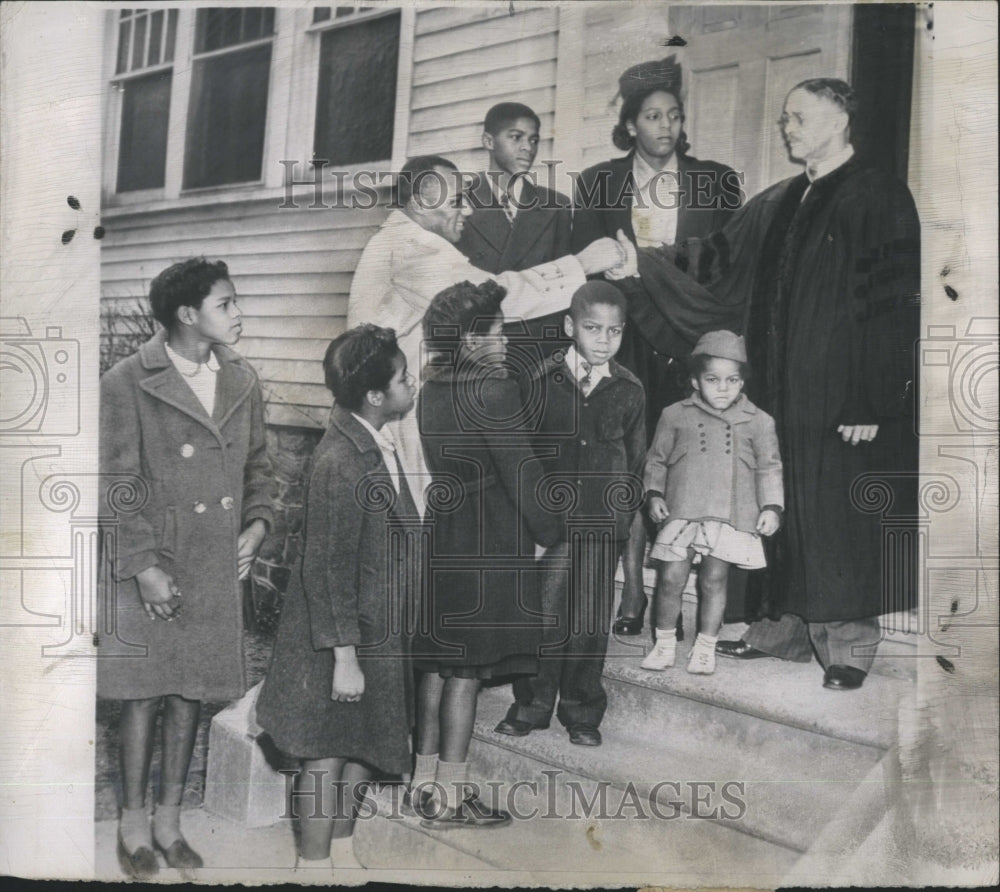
(713, 487)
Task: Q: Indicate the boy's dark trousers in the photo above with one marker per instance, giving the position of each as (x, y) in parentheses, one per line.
(577, 595)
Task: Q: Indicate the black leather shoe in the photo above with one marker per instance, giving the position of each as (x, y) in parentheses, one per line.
(472, 814)
(739, 649)
(584, 735)
(180, 855)
(843, 678)
(518, 728)
(140, 864)
(628, 625)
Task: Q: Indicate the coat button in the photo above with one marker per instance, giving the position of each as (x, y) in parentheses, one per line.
(199, 508)
(227, 502)
(187, 450)
(583, 442)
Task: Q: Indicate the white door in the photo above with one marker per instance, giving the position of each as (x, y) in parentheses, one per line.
(739, 63)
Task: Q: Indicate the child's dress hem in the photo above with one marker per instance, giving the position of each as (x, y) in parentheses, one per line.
(712, 537)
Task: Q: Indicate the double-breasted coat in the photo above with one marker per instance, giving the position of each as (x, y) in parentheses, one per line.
(709, 194)
(357, 585)
(487, 516)
(539, 233)
(178, 487)
(712, 465)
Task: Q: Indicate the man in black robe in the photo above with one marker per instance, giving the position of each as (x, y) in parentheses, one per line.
(821, 272)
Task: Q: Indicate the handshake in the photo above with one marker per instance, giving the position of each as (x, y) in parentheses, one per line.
(615, 257)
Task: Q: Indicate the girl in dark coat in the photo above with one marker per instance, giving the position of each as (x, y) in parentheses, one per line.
(484, 609)
(657, 194)
(338, 694)
(182, 428)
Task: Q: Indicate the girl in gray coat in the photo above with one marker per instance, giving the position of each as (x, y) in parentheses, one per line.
(714, 487)
(184, 465)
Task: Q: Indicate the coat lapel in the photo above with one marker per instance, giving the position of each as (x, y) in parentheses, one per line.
(529, 224)
(234, 385)
(622, 191)
(489, 220)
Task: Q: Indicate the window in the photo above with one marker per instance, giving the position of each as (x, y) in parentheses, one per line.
(356, 96)
(227, 110)
(143, 74)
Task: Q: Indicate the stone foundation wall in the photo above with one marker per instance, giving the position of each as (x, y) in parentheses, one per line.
(290, 450)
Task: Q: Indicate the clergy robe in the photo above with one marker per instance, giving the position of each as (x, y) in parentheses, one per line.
(826, 290)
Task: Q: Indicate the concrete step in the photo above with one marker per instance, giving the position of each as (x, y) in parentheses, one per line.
(557, 847)
(776, 785)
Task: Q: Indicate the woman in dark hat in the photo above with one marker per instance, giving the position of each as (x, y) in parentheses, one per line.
(657, 194)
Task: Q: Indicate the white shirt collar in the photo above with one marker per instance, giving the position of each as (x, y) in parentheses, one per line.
(829, 165)
(643, 172)
(188, 368)
(575, 362)
(383, 439)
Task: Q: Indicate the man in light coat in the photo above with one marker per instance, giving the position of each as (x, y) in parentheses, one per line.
(413, 257)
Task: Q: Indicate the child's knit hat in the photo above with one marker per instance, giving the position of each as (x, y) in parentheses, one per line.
(723, 344)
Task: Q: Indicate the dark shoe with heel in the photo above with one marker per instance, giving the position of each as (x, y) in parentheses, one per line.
(180, 855)
(140, 864)
(472, 814)
(739, 650)
(843, 678)
(628, 626)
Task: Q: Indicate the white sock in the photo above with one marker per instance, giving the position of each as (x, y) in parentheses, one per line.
(666, 636)
(167, 824)
(134, 829)
(452, 777)
(425, 770)
(706, 641)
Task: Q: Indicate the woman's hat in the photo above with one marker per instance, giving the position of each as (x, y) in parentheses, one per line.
(723, 344)
(662, 74)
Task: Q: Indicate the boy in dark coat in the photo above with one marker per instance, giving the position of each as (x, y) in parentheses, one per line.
(182, 424)
(516, 223)
(592, 440)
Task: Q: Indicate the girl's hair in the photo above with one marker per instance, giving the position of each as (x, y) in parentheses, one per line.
(460, 310)
(630, 111)
(698, 361)
(184, 284)
(359, 360)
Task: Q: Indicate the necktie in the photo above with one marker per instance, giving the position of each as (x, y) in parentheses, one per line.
(508, 209)
(406, 503)
(585, 380)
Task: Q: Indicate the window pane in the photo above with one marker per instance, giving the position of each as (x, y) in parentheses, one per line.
(142, 151)
(225, 133)
(219, 27)
(155, 37)
(168, 55)
(357, 92)
(139, 43)
(321, 14)
(124, 30)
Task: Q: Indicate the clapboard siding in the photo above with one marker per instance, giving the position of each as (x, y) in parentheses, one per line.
(292, 270)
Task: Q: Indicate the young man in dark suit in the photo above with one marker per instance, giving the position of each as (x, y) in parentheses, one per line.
(516, 223)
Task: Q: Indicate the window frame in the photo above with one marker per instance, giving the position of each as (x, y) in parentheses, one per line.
(290, 125)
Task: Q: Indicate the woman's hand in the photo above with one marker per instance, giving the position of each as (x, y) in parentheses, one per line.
(768, 522)
(658, 512)
(159, 596)
(348, 679)
(247, 546)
